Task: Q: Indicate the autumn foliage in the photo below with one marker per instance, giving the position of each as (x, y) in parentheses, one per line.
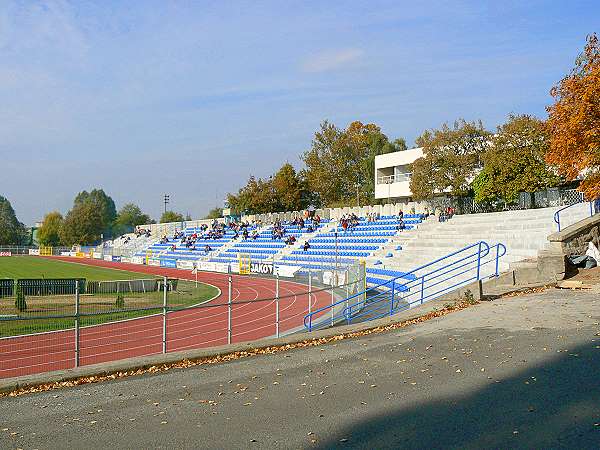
(574, 121)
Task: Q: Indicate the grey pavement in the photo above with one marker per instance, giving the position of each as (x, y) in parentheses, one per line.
(520, 372)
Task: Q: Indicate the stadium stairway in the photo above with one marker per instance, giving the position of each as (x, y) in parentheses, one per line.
(523, 232)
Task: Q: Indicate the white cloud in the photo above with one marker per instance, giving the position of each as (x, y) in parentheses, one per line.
(332, 60)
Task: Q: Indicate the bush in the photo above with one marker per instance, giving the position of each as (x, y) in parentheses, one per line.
(469, 298)
(20, 302)
(120, 302)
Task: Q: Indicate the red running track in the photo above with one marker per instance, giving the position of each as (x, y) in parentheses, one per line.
(189, 329)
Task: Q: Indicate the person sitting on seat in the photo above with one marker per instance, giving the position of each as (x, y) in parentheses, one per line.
(401, 225)
(306, 246)
(207, 249)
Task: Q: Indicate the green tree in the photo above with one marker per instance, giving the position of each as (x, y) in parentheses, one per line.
(104, 203)
(289, 189)
(171, 216)
(49, 232)
(451, 157)
(214, 213)
(129, 216)
(256, 197)
(20, 301)
(339, 161)
(514, 162)
(83, 224)
(12, 232)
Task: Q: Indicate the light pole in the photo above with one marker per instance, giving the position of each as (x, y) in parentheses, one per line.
(166, 200)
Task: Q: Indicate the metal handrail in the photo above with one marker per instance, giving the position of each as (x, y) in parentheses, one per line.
(389, 293)
(557, 213)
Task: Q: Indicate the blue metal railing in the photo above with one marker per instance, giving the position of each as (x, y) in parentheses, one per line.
(472, 263)
(557, 213)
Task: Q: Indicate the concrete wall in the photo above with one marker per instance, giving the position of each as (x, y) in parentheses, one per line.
(574, 239)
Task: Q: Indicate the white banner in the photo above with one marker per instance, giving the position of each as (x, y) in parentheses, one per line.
(97, 255)
(5, 254)
(125, 259)
(223, 267)
(107, 258)
(154, 262)
(65, 253)
(137, 260)
(286, 271)
(34, 251)
(185, 264)
(329, 278)
(261, 268)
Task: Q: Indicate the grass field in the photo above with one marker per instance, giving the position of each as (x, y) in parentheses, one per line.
(47, 313)
(34, 267)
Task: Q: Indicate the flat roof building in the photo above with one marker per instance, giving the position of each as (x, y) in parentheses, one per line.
(393, 174)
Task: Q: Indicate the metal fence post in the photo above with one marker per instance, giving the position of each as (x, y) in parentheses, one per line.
(309, 291)
(229, 299)
(164, 314)
(392, 297)
(422, 289)
(277, 304)
(333, 283)
(347, 282)
(497, 258)
(76, 323)
(478, 260)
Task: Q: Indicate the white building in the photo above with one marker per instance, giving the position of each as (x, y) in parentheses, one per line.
(392, 174)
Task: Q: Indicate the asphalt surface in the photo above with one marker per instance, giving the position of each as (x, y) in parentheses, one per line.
(521, 372)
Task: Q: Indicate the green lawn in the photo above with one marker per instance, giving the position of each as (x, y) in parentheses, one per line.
(35, 267)
(41, 314)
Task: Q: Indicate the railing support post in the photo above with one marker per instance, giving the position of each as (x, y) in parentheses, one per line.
(164, 316)
(479, 260)
(392, 297)
(277, 304)
(333, 283)
(229, 307)
(422, 289)
(76, 323)
(309, 291)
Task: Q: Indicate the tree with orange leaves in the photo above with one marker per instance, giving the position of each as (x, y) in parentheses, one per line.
(574, 121)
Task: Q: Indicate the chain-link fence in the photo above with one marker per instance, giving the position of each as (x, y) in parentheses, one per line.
(68, 323)
(546, 198)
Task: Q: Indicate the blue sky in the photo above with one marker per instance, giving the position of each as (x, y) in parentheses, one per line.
(190, 98)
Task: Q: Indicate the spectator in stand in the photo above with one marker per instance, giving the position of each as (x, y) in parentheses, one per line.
(306, 246)
(401, 215)
(344, 224)
(401, 226)
(254, 235)
(207, 249)
(245, 234)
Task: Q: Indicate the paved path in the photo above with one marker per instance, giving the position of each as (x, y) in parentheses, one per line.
(520, 372)
(195, 328)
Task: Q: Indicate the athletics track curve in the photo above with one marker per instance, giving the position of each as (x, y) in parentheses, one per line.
(188, 329)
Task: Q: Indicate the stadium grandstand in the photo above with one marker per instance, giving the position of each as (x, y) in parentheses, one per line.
(392, 239)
